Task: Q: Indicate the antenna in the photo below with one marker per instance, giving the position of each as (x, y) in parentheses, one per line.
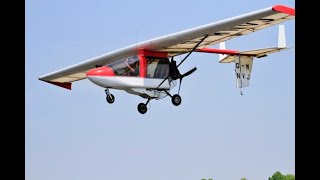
(137, 38)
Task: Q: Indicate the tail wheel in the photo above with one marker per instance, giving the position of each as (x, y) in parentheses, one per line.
(110, 98)
(142, 108)
(176, 100)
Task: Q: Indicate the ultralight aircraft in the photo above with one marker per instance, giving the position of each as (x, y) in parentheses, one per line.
(148, 69)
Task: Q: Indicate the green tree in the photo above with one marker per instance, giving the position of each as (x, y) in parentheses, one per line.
(243, 178)
(290, 177)
(278, 176)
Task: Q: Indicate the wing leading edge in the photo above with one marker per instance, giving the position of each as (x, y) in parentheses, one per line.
(180, 42)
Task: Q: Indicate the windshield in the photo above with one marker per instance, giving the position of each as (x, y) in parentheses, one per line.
(126, 67)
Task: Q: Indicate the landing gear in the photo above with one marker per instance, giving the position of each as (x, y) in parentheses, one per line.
(110, 98)
(176, 100)
(142, 108)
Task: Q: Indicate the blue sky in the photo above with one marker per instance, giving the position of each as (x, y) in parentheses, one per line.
(215, 132)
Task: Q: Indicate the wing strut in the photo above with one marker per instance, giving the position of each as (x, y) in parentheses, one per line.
(174, 72)
(194, 48)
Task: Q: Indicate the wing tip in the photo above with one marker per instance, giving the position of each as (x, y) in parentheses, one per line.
(63, 85)
(284, 9)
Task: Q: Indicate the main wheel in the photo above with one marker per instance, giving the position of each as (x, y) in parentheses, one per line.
(110, 98)
(176, 100)
(142, 108)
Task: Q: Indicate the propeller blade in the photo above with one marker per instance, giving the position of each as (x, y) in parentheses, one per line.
(189, 72)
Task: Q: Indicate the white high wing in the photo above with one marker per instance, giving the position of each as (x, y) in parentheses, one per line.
(148, 69)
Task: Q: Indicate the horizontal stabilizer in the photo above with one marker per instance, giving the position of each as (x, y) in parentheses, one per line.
(258, 53)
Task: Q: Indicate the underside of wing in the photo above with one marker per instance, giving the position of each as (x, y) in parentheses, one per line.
(180, 42)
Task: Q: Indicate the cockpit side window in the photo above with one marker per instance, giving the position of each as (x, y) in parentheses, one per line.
(126, 67)
(157, 67)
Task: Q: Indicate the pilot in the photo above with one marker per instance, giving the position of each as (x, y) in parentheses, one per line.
(132, 67)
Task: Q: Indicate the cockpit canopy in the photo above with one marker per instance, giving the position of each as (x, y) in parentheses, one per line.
(126, 67)
(149, 67)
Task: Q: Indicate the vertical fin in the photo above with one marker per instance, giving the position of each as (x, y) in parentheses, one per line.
(282, 37)
(222, 45)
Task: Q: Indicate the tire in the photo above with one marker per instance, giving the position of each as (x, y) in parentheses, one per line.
(142, 108)
(110, 99)
(176, 100)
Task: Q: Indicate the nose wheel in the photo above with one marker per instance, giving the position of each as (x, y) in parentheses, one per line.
(110, 98)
